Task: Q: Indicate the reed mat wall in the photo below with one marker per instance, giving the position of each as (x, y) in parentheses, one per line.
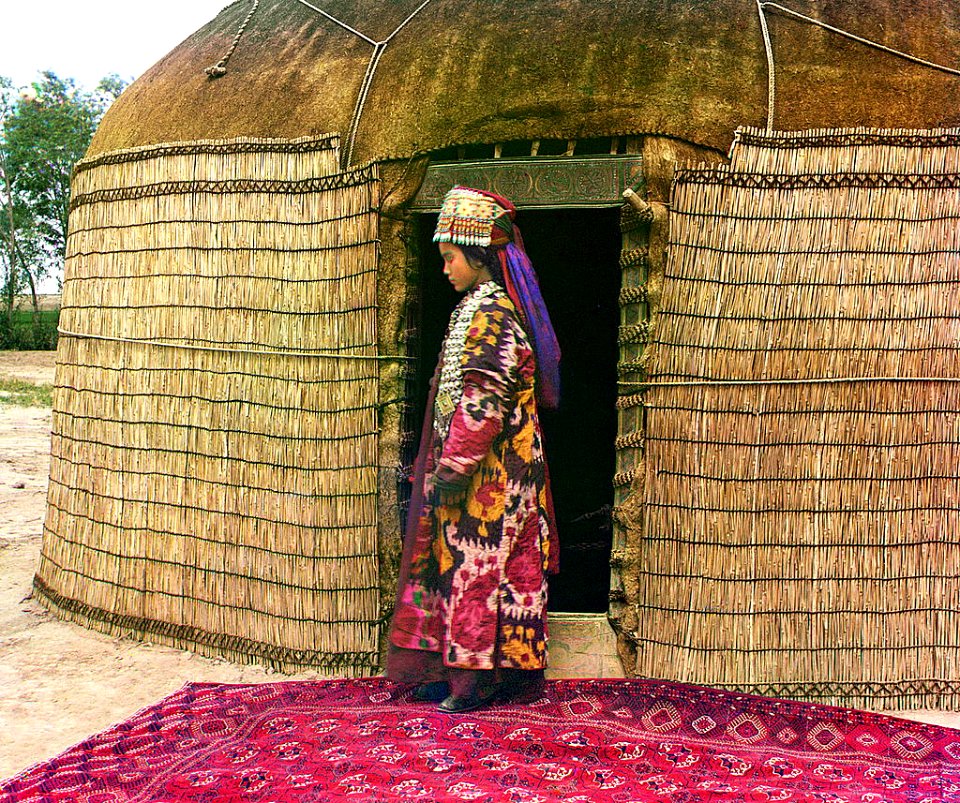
(801, 520)
(213, 477)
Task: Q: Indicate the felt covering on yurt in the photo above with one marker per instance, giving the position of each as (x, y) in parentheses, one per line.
(461, 73)
(800, 510)
(213, 479)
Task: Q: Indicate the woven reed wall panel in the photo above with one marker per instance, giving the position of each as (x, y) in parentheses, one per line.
(859, 150)
(801, 521)
(213, 477)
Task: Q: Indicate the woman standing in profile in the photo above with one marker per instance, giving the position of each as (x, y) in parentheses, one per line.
(470, 621)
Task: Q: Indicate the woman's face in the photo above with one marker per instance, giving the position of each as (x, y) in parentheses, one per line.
(462, 275)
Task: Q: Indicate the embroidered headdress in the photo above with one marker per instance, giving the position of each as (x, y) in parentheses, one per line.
(478, 218)
(474, 217)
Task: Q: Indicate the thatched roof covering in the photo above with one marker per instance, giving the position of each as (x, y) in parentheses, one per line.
(497, 71)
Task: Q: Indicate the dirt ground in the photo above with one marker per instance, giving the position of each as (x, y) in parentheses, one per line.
(59, 682)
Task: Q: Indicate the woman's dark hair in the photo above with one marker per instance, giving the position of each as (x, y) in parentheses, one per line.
(486, 255)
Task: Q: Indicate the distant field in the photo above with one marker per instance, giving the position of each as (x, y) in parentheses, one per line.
(46, 301)
(23, 329)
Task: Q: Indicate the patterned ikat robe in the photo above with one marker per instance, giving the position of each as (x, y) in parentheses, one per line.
(476, 591)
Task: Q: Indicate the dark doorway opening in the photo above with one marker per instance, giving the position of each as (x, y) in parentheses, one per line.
(576, 255)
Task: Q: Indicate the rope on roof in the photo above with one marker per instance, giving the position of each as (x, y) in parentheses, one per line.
(220, 68)
(378, 48)
(771, 72)
(342, 24)
(762, 5)
(368, 79)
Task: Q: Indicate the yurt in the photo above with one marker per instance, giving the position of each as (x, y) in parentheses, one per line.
(745, 221)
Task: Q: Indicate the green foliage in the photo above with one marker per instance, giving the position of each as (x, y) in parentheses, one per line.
(28, 330)
(25, 394)
(44, 131)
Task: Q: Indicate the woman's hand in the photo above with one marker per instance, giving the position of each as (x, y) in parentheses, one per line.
(446, 492)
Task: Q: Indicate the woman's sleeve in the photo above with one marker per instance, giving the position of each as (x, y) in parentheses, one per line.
(489, 375)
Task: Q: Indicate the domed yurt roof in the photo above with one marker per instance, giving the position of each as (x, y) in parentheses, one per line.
(452, 72)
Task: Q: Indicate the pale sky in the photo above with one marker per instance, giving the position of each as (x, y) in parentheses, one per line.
(88, 39)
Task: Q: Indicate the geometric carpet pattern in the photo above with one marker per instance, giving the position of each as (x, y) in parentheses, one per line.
(584, 741)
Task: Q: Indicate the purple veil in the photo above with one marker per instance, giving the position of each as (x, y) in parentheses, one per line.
(524, 290)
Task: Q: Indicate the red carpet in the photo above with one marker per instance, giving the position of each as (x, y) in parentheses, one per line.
(586, 740)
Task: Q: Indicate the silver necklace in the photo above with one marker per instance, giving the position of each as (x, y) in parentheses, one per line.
(450, 384)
